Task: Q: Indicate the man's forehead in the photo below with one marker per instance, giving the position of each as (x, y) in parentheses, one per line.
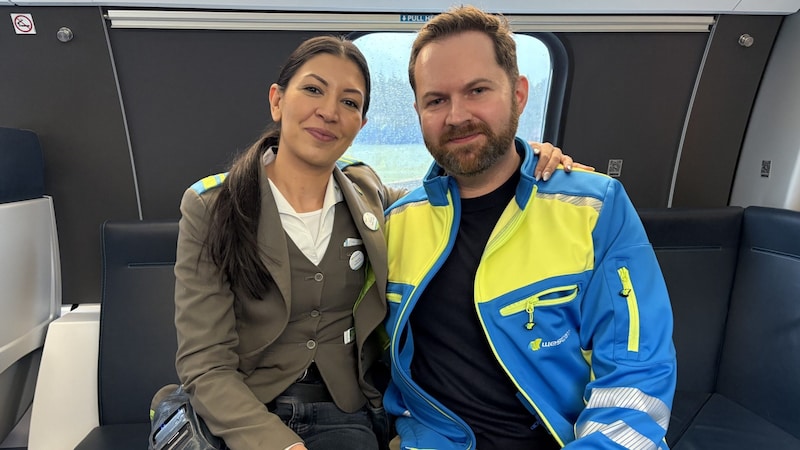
(457, 60)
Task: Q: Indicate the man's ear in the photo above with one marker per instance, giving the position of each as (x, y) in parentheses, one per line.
(521, 92)
(275, 97)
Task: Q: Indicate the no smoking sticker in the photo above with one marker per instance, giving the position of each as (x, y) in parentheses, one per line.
(23, 23)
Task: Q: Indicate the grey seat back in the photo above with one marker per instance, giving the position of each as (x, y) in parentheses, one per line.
(30, 271)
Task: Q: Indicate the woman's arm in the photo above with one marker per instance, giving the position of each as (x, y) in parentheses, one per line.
(550, 157)
(207, 361)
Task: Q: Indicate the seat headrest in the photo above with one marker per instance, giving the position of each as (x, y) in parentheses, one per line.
(21, 165)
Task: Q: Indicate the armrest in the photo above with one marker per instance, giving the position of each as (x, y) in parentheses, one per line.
(65, 406)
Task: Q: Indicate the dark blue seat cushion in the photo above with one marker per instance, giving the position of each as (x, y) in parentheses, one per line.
(725, 425)
(684, 410)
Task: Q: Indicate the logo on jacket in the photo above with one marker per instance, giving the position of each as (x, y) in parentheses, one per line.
(538, 344)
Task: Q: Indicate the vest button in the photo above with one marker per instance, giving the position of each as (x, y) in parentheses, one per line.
(315, 313)
(318, 276)
(311, 344)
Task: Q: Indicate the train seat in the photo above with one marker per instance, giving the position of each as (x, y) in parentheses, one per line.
(125, 348)
(30, 273)
(733, 276)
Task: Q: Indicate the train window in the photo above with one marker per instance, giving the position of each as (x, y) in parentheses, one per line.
(391, 142)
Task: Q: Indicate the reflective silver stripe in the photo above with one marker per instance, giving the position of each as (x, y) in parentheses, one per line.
(574, 200)
(620, 433)
(630, 398)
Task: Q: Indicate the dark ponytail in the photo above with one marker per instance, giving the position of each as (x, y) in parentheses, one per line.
(233, 232)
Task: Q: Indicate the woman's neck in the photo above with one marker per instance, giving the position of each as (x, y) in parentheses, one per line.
(303, 187)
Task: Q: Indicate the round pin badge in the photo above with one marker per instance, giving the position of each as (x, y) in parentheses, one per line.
(371, 221)
(356, 260)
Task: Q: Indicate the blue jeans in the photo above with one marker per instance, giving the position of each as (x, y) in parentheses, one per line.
(323, 426)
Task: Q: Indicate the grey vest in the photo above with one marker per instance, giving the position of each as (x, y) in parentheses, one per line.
(320, 324)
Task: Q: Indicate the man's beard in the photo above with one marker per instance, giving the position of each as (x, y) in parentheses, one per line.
(472, 159)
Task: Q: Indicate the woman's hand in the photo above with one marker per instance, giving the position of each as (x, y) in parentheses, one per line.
(550, 157)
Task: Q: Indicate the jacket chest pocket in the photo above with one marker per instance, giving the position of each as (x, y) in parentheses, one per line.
(554, 296)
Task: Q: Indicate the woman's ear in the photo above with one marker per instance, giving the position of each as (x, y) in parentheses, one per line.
(275, 97)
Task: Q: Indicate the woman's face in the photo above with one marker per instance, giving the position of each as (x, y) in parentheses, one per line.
(319, 111)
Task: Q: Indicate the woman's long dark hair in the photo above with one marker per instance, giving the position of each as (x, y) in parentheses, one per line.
(232, 237)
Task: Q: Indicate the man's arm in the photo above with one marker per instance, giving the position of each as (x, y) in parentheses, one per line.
(627, 325)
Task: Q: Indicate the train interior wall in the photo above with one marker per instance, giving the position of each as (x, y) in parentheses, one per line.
(128, 118)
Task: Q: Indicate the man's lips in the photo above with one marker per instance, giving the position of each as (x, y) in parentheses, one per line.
(463, 139)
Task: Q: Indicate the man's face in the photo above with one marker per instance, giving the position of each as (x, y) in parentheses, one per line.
(468, 109)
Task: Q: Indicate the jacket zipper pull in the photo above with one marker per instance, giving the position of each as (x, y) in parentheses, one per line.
(626, 283)
(529, 309)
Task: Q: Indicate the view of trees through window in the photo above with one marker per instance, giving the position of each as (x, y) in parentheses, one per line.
(391, 142)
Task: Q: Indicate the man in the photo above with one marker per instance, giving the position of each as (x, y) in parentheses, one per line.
(523, 315)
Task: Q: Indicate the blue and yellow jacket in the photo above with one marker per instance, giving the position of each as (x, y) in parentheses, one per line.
(570, 297)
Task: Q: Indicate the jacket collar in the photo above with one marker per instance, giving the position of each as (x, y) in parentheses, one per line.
(437, 183)
(374, 242)
(273, 248)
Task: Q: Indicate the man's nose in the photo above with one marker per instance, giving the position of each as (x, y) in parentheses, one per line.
(458, 113)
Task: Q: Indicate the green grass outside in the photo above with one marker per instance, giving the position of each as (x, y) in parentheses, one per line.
(396, 164)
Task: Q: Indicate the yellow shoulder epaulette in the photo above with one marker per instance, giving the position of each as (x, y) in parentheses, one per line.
(345, 161)
(209, 182)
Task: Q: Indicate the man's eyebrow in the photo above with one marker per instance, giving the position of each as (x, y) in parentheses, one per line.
(468, 86)
(477, 81)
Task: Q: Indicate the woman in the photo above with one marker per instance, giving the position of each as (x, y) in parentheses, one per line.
(281, 270)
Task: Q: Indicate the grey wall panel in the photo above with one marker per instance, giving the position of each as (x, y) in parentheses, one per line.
(628, 97)
(721, 111)
(66, 93)
(193, 99)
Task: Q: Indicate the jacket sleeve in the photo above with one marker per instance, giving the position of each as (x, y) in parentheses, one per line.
(626, 327)
(207, 360)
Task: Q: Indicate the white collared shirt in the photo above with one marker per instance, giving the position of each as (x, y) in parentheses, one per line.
(310, 231)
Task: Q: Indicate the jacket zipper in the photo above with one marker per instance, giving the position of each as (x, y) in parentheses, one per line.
(633, 308)
(529, 304)
(402, 308)
(507, 230)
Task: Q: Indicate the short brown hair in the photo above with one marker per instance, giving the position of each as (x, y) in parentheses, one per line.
(468, 18)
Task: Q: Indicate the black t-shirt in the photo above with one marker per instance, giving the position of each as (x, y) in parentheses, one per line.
(452, 359)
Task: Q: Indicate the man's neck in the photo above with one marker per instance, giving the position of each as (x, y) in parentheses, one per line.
(491, 179)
